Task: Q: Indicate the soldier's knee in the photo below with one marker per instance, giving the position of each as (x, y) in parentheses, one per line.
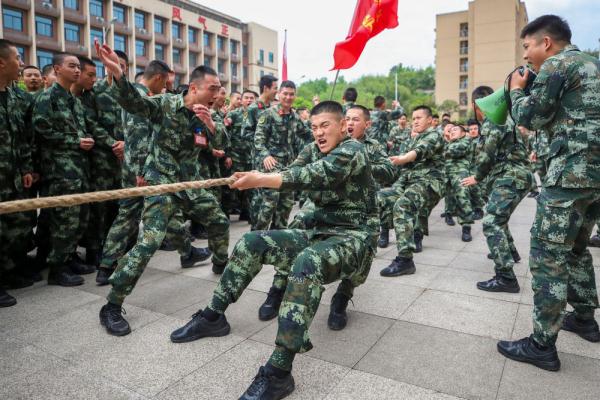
(305, 267)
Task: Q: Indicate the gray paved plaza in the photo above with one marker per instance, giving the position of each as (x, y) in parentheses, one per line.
(431, 335)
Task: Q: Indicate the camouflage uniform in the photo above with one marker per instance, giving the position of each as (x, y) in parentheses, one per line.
(565, 103)
(381, 124)
(398, 137)
(348, 105)
(411, 198)
(60, 122)
(277, 135)
(15, 161)
(458, 164)
(477, 192)
(172, 157)
(338, 247)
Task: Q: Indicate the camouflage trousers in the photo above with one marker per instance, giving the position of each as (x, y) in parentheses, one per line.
(505, 196)
(478, 194)
(103, 214)
(14, 233)
(241, 198)
(125, 229)
(312, 261)
(460, 197)
(158, 212)
(63, 226)
(560, 263)
(274, 209)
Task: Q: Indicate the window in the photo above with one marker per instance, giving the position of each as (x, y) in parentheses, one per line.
(44, 26)
(192, 35)
(159, 52)
(233, 70)
(139, 69)
(245, 50)
(44, 58)
(99, 69)
(21, 51)
(140, 20)
(207, 61)
(245, 72)
(220, 43)
(72, 32)
(176, 56)
(178, 80)
(221, 67)
(121, 43)
(233, 47)
(97, 8)
(235, 88)
(140, 48)
(262, 73)
(464, 47)
(207, 38)
(12, 19)
(464, 65)
(464, 83)
(464, 30)
(72, 4)
(96, 34)
(261, 55)
(119, 13)
(176, 30)
(271, 57)
(193, 60)
(463, 99)
(159, 25)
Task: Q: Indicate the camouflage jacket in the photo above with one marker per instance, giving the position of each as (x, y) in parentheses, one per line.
(305, 137)
(457, 154)
(110, 113)
(429, 165)
(172, 157)
(138, 131)
(381, 167)
(15, 143)
(380, 124)
(278, 135)
(503, 155)
(241, 149)
(253, 113)
(60, 122)
(347, 106)
(341, 186)
(565, 103)
(398, 137)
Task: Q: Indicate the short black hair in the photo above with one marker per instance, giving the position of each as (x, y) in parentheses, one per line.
(425, 108)
(435, 116)
(350, 94)
(365, 111)
(300, 109)
(287, 84)
(182, 88)
(403, 115)
(480, 92)
(379, 101)
(200, 72)
(47, 69)
(266, 81)
(84, 61)
(138, 76)
(122, 55)
(472, 122)
(30, 67)
(5, 46)
(156, 67)
(552, 25)
(234, 92)
(59, 58)
(445, 115)
(252, 92)
(329, 106)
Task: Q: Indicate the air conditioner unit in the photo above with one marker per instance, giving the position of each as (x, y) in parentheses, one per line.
(100, 19)
(144, 31)
(178, 40)
(47, 5)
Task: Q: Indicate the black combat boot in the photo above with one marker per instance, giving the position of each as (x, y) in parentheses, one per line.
(400, 266)
(64, 277)
(449, 220)
(384, 238)
(200, 327)
(244, 215)
(79, 266)
(466, 233)
(103, 275)
(418, 237)
(499, 284)
(218, 268)
(196, 255)
(587, 329)
(6, 300)
(594, 241)
(16, 280)
(111, 317)
(268, 386)
(198, 231)
(477, 214)
(528, 351)
(92, 257)
(270, 308)
(515, 255)
(338, 318)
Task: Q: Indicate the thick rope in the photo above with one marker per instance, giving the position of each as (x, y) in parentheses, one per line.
(70, 200)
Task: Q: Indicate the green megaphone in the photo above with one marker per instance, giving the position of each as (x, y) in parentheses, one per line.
(494, 106)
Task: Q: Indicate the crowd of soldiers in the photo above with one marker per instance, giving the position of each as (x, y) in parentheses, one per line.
(357, 173)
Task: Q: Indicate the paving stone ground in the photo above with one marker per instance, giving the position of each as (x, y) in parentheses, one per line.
(431, 335)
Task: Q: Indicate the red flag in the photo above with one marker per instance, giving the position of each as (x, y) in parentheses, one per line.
(284, 75)
(370, 18)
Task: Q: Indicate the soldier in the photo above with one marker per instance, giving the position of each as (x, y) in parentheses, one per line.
(277, 137)
(268, 90)
(48, 76)
(477, 191)
(235, 101)
(15, 166)
(421, 184)
(449, 200)
(349, 98)
(435, 123)
(180, 125)
(564, 102)
(399, 134)
(65, 136)
(458, 165)
(32, 78)
(380, 119)
(341, 185)
(124, 230)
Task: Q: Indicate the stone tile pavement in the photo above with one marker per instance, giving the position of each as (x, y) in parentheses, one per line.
(431, 335)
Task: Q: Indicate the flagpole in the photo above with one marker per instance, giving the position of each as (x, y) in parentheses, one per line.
(334, 83)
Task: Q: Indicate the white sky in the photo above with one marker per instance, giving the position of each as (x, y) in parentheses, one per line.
(314, 26)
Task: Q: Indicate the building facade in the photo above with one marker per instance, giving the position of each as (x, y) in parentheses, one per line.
(182, 33)
(479, 46)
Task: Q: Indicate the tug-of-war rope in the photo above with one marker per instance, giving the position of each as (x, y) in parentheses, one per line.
(70, 200)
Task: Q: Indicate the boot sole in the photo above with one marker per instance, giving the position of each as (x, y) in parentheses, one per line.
(221, 332)
(517, 290)
(407, 272)
(593, 339)
(382, 247)
(269, 318)
(55, 283)
(545, 365)
(113, 333)
(8, 304)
